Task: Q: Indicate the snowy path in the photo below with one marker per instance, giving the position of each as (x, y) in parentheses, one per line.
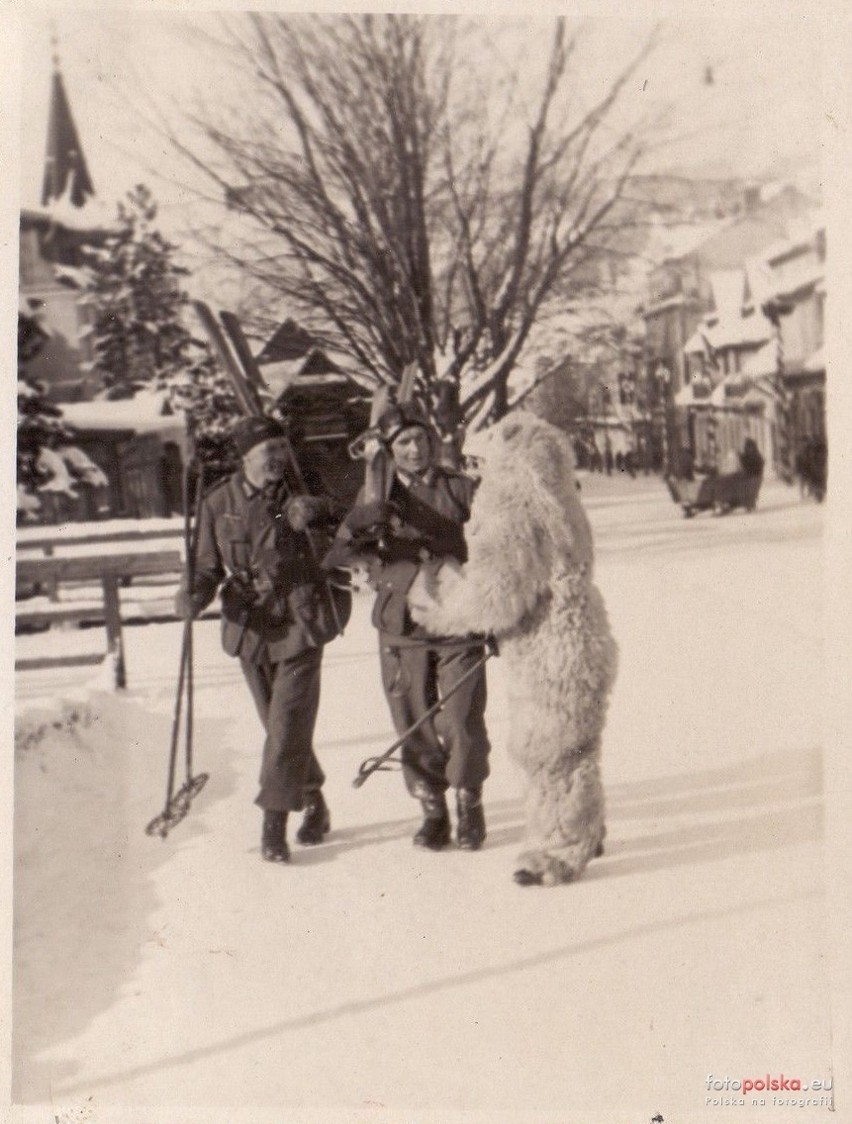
(369, 981)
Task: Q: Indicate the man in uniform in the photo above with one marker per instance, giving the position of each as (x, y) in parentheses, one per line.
(421, 523)
(277, 614)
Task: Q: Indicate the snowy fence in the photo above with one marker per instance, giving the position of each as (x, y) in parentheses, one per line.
(47, 543)
(110, 570)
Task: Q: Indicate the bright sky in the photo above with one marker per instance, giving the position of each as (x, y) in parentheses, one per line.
(764, 105)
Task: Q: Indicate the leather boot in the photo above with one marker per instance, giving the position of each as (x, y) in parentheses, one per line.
(470, 830)
(273, 840)
(316, 821)
(435, 830)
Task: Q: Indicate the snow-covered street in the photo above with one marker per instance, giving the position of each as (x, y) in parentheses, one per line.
(372, 981)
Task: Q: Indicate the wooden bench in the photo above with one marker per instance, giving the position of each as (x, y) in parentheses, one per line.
(109, 570)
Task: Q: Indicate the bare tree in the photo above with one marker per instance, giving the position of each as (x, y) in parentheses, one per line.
(407, 207)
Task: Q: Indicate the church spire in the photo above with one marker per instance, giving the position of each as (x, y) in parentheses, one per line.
(64, 166)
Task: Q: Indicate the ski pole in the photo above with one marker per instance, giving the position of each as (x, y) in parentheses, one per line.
(193, 784)
(177, 804)
(373, 764)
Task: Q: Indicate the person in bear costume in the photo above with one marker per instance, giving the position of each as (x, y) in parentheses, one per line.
(528, 581)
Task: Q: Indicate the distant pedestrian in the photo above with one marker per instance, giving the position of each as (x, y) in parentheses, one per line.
(751, 458)
(683, 464)
(819, 468)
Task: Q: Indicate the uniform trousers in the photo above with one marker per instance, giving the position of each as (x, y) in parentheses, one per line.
(451, 749)
(286, 694)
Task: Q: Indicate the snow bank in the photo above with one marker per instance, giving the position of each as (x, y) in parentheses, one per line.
(89, 774)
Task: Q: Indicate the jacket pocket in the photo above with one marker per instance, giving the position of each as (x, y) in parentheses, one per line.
(320, 618)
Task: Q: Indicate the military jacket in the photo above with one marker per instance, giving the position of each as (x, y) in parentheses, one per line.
(275, 597)
(432, 512)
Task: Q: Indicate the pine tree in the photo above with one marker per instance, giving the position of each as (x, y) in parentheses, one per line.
(47, 458)
(40, 424)
(135, 290)
(203, 393)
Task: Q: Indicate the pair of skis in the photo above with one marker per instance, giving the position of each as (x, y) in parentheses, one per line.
(371, 448)
(234, 354)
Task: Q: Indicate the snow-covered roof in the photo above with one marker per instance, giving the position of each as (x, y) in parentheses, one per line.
(727, 286)
(678, 241)
(808, 277)
(142, 413)
(800, 237)
(764, 361)
(93, 216)
(759, 278)
(280, 374)
(339, 358)
(79, 277)
(736, 390)
(734, 331)
(727, 325)
(791, 265)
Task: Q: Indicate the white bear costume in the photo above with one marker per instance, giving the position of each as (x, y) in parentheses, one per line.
(528, 581)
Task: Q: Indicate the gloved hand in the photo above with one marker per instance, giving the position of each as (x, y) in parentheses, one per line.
(367, 516)
(302, 512)
(238, 600)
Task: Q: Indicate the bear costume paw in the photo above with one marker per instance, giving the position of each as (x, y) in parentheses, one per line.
(539, 868)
